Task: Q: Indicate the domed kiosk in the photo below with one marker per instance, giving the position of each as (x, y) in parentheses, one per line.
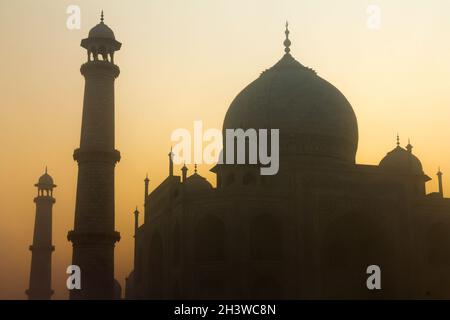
(46, 180)
(45, 184)
(101, 42)
(401, 160)
(196, 183)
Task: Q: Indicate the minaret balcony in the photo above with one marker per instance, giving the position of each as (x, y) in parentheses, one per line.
(101, 67)
(41, 248)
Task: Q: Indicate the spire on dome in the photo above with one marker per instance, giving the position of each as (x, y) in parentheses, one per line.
(287, 42)
(398, 140)
(101, 17)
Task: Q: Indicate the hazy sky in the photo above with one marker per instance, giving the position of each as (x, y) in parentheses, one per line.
(186, 60)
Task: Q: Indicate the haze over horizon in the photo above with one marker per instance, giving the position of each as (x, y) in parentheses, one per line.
(185, 61)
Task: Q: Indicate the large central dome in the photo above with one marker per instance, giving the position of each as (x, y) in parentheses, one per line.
(314, 118)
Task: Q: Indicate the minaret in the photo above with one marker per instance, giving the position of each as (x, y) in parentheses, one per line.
(42, 248)
(441, 188)
(94, 235)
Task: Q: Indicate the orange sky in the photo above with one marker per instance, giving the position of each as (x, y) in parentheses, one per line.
(186, 60)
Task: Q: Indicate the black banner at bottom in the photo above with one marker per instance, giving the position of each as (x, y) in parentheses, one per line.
(226, 309)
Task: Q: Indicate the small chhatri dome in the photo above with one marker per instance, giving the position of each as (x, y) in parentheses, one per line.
(401, 160)
(101, 30)
(46, 181)
(313, 117)
(196, 183)
(101, 44)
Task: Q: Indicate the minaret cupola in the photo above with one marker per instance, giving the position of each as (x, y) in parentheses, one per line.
(101, 43)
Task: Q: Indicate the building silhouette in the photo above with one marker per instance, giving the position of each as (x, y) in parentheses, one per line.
(42, 248)
(310, 231)
(94, 235)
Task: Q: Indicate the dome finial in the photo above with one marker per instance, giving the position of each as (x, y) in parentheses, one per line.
(101, 17)
(45, 169)
(287, 42)
(195, 168)
(398, 140)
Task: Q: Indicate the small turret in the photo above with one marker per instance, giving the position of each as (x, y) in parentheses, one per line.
(441, 188)
(146, 182)
(170, 154)
(136, 220)
(184, 171)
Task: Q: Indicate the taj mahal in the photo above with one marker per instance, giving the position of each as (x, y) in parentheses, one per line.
(308, 232)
